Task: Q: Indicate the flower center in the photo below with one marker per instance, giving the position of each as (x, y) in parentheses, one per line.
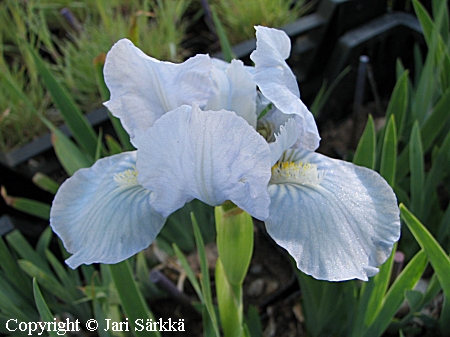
(265, 129)
(127, 178)
(299, 173)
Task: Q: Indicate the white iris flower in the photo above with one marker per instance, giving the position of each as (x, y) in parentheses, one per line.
(196, 129)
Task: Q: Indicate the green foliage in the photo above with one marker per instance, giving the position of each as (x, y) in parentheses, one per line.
(413, 154)
(235, 248)
(239, 17)
(210, 322)
(439, 259)
(131, 298)
(157, 27)
(43, 309)
(389, 153)
(19, 268)
(35, 286)
(81, 130)
(234, 242)
(366, 151)
(223, 38)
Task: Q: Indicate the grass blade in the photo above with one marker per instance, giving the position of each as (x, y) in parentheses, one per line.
(69, 155)
(429, 130)
(210, 314)
(380, 286)
(438, 259)
(395, 296)
(29, 206)
(77, 124)
(417, 170)
(131, 298)
(45, 182)
(43, 309)
(46, 280)
(399, 100)
(24, 249)
(389, 155)
(366, 151)
(227, 51)
(188, 270)
(14, 274)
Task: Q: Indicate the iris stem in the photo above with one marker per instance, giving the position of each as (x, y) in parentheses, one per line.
(235, 249)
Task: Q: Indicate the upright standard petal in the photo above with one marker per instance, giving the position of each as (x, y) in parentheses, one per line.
(212, 156)
(102, 214)
(270, 125)
(143, 88)
(339, 221)
(277, 82)
(233, 90)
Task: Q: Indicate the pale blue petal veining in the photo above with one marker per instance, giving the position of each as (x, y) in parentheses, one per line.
(212, 156)
(102, 215)
(143, 88)
(338, 227)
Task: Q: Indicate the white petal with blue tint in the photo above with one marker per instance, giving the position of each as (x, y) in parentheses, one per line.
(143, 88)
(283, 140)
(278, 84)
(102, 214)
(270, 125)
(233, 90)
(212, 156)
(339, 221)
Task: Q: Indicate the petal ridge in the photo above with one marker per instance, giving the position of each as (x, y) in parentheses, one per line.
(214, 156)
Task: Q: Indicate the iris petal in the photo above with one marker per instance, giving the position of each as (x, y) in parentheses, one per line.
(143, 88)
(283, 140)
(102, 214)
(212, 156)
(277, 82)
(339, 229)
(234, 90)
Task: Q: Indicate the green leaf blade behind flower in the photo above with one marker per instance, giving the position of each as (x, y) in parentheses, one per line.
(69, 155)
(395, 295)
(43, 309)
(77, 124)
(29, 206)
(438, 259)
(417, 170)
(388, 164)
(227, 51)
(210, 322)
(46, 183)
(398, 104)
(131, 298)
(379, 288)
(365, 154)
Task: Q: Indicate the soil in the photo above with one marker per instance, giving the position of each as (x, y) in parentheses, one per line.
(270, 287)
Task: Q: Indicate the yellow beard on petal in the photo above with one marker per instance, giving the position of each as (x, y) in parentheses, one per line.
(127, 178)
(298, 173)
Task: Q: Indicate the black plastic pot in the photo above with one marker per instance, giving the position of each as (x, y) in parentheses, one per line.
(38, 155)
(335, 35)
(18, 166)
